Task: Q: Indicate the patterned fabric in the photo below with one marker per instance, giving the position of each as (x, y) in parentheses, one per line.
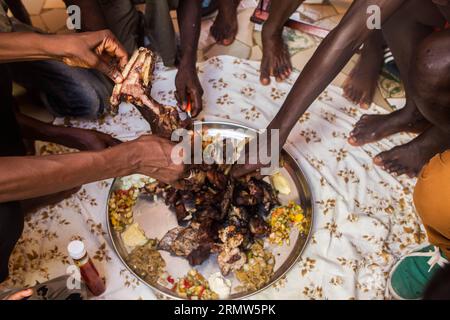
(364, 219)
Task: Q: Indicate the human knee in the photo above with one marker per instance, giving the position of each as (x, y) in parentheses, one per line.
(432, 68)
(82, 102)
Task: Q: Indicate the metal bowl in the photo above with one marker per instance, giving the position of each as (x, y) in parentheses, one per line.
(156, 219)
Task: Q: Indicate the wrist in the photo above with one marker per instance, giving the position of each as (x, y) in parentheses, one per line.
(123, 159)
(188, 61)
(53, 47)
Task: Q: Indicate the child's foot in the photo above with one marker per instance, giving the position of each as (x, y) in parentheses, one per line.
(410, 276)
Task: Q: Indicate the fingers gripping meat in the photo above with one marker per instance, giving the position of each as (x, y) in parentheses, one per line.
(136, 89)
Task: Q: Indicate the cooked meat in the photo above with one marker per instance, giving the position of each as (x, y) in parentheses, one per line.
(227, 215)
(231, 260)
(226, 201)
(166, 242)
(186, 241)
(230, 237)
(217, 179)
(258, 226)
(200, 254)
(239, 217)
(181, 212)
(136, 89)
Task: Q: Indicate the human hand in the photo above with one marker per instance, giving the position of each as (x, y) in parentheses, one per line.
(263, 151)
(98, 50)
(189, 89)
(155, 159)
(20, 295)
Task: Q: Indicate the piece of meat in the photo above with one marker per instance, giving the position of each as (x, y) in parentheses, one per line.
(238, 217)
(231, 260)
(136, 89)
(166, 242)
(200, 254)
(217, 179)
(231, 237)
(258, 226)
(225, 204)
(185, 242)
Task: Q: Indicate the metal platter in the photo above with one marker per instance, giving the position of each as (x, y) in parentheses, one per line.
(155, 218)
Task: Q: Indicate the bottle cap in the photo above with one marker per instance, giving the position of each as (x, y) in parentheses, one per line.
(76, 249)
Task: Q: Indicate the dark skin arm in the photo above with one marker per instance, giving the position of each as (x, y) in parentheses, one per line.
(87, 50)
(92, 18)
(186, 81)
(329, 59)
(30, 177)
(81, 139)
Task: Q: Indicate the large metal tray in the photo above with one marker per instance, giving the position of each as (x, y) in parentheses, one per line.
(156, 219)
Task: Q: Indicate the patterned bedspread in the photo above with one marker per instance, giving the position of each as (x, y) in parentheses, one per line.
(364, 220)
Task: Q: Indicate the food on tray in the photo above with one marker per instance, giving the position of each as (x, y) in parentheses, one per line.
(120, 207)
(195, 287)
(137, 181)
(194, 242)
(136, 89)
(231, 257)
(280, 183)
(225, 215)
(134, 236)
(147, 262)
(220, 285)
(282, 219)
(258, 270)
(217, 215)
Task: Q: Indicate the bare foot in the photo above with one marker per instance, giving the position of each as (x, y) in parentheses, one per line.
(225, 27)
(276, 60)
(31, 205)
(360, 85)
(374, 127)
(410, 158)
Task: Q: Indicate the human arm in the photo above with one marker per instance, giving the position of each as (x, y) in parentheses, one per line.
(186, 81)
(77, 138)
(329, 59)
(29, 177)
(99, 50)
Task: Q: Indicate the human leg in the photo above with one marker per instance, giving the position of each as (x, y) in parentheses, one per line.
(67, 91)
(225, 26)
(276, 60)
(403, 32)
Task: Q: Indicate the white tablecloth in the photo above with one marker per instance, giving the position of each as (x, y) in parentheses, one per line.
(364, 218)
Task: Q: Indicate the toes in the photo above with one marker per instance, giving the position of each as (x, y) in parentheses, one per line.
(265, 81)
(227, 41)
(265, 76)
(365, 101)
(378, 160)
(353, 141)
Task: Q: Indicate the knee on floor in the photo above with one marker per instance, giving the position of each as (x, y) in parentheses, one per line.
(432, 68)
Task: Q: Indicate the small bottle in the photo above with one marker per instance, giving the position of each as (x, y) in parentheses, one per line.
(89, 273)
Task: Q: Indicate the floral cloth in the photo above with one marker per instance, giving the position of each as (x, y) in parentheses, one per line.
(364, 217)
